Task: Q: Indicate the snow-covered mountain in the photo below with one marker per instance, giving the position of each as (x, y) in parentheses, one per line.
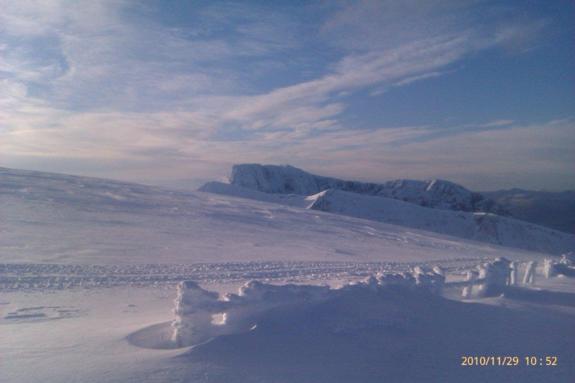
(552, 209)
(477, 226)
(287, 179)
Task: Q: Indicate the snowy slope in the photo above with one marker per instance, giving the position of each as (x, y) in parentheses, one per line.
(88, 269)
(222, 188)
(66, 219)
(289, 180)
(484, 227)
(552, 209)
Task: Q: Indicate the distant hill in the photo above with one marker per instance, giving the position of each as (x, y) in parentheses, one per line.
(287, 179)
(552, 209)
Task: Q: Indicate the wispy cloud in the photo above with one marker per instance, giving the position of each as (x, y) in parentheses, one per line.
(120, 81)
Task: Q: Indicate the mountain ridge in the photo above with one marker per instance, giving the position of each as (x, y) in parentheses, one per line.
(286, 179)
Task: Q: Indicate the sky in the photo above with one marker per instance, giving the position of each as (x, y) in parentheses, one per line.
(174, 92)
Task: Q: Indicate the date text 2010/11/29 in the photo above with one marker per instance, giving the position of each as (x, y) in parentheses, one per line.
(510, 361)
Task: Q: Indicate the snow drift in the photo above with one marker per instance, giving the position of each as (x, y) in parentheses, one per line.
(202, 314)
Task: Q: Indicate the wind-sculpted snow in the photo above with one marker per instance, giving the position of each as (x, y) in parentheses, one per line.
(202, 314)
(196, 309)
(438, 194)
(391, 328)
(565, 267)
(491, 279)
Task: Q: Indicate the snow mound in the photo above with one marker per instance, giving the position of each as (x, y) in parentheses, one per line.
(202, 314)
(491, 278)
(483, 227)
(287, 179)
(565, 267)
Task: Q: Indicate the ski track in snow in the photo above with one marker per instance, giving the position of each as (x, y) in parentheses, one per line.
(38, 276)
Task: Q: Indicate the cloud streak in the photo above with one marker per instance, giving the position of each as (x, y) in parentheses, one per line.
(112, 81)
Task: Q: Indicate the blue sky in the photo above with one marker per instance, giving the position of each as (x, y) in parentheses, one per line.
(174, 92)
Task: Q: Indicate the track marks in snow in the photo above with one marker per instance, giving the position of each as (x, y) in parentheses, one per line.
(38, 276)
